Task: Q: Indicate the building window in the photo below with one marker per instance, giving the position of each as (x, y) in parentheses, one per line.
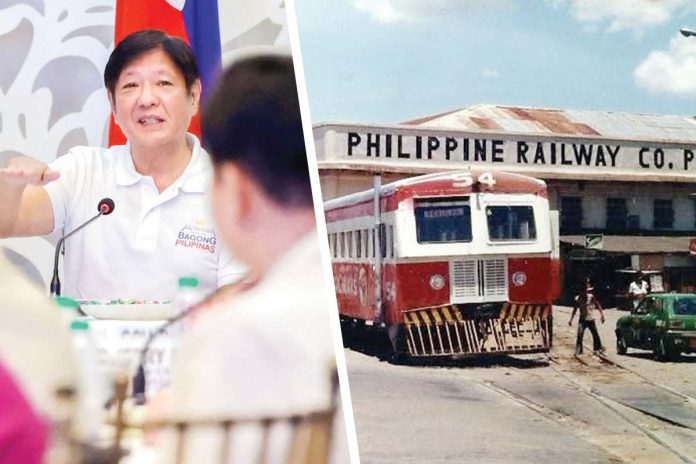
(571, 213)
(663, 214)
(633, 222)
(617, 214)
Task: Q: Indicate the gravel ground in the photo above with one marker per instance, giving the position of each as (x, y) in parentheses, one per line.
(678, 375)
(524, 409)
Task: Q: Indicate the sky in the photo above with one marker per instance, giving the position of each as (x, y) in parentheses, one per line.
(388, 61)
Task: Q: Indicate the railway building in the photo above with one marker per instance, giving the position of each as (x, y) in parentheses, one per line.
(623, 184)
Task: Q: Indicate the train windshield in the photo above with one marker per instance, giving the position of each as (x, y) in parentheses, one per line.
(509, 223)
(443, 220)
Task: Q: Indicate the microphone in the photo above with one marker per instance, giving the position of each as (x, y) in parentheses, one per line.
(106, 206)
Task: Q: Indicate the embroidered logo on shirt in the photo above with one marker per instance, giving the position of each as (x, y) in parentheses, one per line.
(197, 235)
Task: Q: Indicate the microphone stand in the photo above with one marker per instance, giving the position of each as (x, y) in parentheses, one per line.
(55, 282)
(139, 381)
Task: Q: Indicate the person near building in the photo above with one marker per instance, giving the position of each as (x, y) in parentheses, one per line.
(587, 305)
(160, 228)
(638, 289)
(269, 353)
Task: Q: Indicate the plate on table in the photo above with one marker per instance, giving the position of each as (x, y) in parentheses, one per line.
(128, 310)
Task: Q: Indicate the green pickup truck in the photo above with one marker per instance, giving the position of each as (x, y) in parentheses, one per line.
(663, 322)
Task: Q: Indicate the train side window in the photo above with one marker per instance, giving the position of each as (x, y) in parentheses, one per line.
(349, 243)
(359, 247)
(373, 247)
(342, 245)
(390, 242)
(383, 240)
(443, 220)
(334, 251)
(507, 223)
(365, 242)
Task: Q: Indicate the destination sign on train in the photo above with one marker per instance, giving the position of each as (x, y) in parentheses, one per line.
(508, 151)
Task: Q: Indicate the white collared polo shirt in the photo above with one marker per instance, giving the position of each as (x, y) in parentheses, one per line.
(150, 240)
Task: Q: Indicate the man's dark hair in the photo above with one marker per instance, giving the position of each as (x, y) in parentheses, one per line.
(253, 119)
(141, 42)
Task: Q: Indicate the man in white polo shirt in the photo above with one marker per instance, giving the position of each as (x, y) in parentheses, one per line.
(161, 226)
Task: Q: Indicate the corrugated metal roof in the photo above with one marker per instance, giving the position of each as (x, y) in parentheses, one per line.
(613, 125)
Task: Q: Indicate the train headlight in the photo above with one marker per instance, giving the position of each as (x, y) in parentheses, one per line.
(437, 282)
(519, 278)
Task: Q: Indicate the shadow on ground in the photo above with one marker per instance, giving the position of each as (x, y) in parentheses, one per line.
(376, 344)
(684, 359)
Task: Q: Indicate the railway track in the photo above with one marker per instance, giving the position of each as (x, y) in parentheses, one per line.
(564, 366)
(605, 359)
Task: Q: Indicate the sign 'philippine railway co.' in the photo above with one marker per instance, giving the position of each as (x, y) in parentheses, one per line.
(509, 151)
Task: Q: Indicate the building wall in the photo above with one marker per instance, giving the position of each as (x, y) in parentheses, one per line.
(639, 201)
(641, 166)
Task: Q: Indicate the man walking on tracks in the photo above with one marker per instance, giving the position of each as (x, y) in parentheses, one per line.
(587, 304)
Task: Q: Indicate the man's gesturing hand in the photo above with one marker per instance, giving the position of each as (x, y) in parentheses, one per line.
(24, 170)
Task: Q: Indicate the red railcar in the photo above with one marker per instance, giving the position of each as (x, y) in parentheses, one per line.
(461, 263)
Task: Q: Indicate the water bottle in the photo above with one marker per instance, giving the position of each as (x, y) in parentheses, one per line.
(92, 392)
(188, 294)
(68, 309)
(151, 375)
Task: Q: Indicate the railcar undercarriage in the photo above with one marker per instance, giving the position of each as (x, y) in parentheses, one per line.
(471, 330)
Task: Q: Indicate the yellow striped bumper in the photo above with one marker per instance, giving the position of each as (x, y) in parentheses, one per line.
(449, 330)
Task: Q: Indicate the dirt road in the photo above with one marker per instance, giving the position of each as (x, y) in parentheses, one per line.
(535, 409)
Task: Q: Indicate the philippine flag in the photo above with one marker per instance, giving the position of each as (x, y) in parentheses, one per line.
(195, 21)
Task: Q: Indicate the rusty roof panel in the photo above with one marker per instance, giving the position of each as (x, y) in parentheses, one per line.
(623, 126)
(521, 113)
(485, 123)
(585, 129)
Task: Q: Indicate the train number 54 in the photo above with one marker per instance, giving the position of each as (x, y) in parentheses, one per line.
(465, 179)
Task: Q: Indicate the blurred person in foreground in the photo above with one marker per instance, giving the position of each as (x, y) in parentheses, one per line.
(161, 227)
(270, 352)
(38, 375)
